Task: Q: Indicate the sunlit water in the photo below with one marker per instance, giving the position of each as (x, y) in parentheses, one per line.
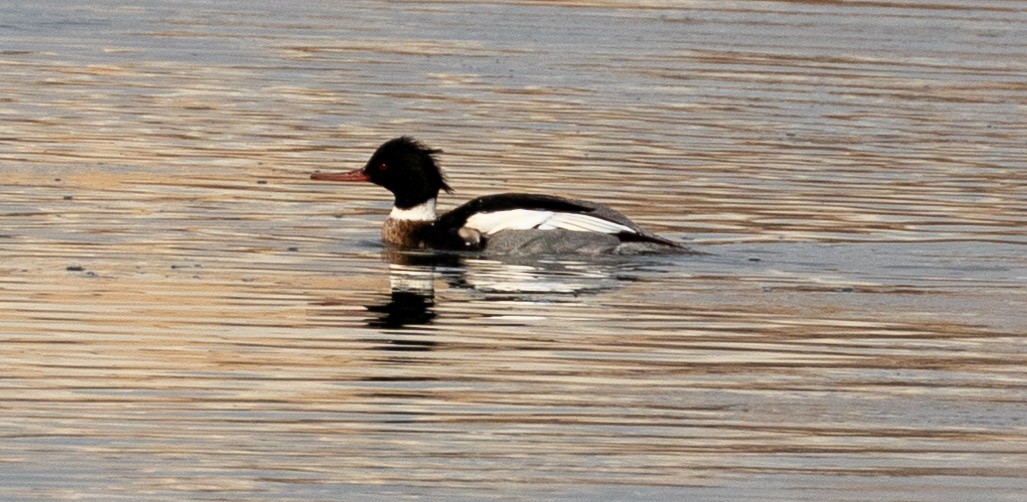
(184, 315)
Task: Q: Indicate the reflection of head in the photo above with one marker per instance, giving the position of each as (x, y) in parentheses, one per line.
(404, 308)
(412, 294)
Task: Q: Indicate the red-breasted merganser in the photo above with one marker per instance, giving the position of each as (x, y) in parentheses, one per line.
(510, 222)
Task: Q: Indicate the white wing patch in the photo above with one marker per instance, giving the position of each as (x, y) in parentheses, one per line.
(583, 223)
(526, 219)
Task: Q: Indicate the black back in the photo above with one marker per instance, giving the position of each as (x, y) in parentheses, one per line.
(450, 223)
(509, 201)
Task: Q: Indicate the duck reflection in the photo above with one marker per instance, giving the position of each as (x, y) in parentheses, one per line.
(412, 278)
(404, 308)
(411, 300)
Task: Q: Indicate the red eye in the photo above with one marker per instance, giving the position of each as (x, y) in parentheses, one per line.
(383, 166)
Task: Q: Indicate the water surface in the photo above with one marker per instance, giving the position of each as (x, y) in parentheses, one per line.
(184, 315)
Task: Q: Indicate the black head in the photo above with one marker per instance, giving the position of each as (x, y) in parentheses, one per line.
(408, 169)
(405, 167)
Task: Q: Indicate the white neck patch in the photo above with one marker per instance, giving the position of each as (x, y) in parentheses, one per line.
(422, 212)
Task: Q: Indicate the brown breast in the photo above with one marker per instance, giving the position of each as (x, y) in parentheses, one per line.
(405, 233)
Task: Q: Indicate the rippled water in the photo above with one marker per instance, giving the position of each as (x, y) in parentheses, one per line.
(184, 315)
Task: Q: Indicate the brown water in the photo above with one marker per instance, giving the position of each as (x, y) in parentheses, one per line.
(184, 315)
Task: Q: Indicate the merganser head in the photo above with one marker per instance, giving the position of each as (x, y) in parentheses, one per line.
(405, 167)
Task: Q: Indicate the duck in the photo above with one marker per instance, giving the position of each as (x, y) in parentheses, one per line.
(510, 223)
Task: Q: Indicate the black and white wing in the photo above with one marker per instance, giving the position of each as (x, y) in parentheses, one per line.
(495, 213)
